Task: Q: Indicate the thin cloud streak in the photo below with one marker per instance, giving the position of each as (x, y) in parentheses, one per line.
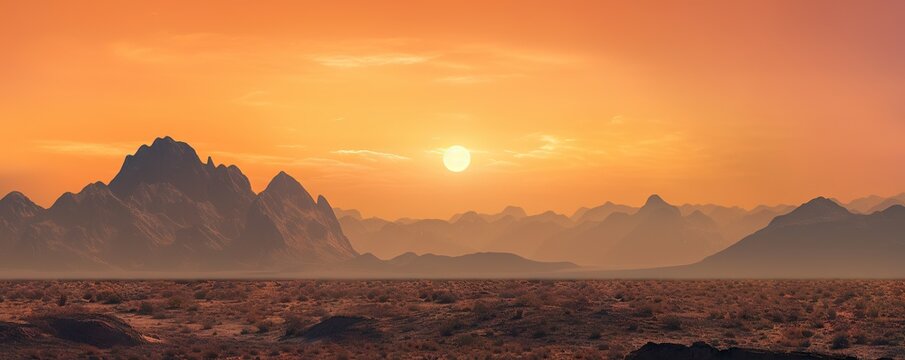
(87, 148)
(357, 61)
(371, 155)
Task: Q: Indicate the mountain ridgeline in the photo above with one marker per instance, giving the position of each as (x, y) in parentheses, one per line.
(609, 235)
(819, 239)
(167, 210)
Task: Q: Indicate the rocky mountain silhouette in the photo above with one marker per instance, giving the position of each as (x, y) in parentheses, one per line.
(167, 210)
(284, 224)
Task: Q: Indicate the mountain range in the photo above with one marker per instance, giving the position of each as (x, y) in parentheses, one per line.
(167, 211)
(819, 239)
(610, 235)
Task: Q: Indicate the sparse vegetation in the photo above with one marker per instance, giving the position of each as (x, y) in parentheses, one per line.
(485, 318)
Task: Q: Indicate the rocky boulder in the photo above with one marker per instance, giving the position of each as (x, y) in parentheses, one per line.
(99, 330)
(703, 351)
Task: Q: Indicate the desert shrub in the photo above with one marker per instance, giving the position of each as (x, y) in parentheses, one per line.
(264, 326)
(840, 341)
(519, 314)
(450, 327)
(672, 323)
(109, 298)
(61, 301)
(177, 301)
(466, 340)
(444, 297)
(295, 325)
(482, 311)
(644, 311)
(859, 338)
(146, 308)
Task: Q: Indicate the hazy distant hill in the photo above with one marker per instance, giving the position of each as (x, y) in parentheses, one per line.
(580, 238)
(819, 239)
(886, 203)
(656, 235)
(167, 210)
(484, 264)
(509, 231)
(601, 212)
(514, 212)
(734, 223)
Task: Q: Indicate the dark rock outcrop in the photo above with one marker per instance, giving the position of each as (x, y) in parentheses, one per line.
(99, 330)
(336, 328)
(14, 333)
(703, 351)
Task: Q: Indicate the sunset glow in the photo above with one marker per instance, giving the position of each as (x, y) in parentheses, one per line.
(736, 103)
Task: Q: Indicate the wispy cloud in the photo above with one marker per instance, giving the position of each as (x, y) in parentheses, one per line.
(371, 155)
(291, 146)
(550, 146)
(255, 158)
(475, 79)
(357, 61)
(287, 161)
(254, 98)
(87, 148)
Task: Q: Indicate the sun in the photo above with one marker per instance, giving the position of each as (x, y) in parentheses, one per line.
(456, 158)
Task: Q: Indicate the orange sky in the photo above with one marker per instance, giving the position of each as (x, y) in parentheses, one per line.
(565, 103)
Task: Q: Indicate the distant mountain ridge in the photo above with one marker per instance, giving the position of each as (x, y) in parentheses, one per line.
(585, 237)
(166, 210)
(655, 235)
(819, 239)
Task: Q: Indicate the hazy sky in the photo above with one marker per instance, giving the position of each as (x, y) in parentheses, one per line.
(564, 103)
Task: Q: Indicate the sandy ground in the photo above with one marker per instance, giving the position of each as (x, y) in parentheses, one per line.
(468, 318)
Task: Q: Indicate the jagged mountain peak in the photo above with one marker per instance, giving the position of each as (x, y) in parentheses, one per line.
(171, 149)
(470, 217)
(93, 191)
(655, 200)
(514, 211)
(655, 205)
(15, 198)
(285, 184)
(16, 203)
(174, 162)
(819, 209)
